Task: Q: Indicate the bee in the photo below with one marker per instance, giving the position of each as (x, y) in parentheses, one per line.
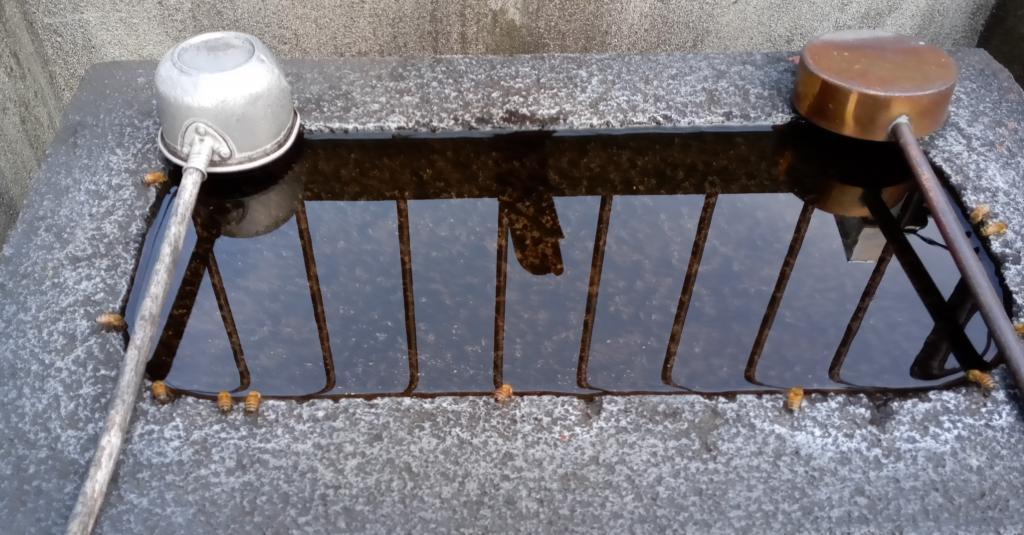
(1019, 328)
(982, 379)
(161, 393)
(979, 213)
(794, 398)
(154, 178)
(994, 228)
(225, 402)
(503, 395)
(110, 321)
(252, 402)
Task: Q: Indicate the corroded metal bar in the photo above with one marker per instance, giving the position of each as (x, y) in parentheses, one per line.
(221, 295)
(802, 224)
(319, 314)
(988, 301)
(596, 265)
(689, 283)
(853, 326)
(929, 293)
(500, 286)
(408, 298)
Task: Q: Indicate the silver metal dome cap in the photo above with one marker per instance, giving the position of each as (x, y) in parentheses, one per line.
(228, 86)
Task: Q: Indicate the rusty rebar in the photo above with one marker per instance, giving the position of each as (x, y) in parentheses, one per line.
(315, 294)
(700, 238)
(408, 297)
(803, 221)
(220, 293)
(500, 285)
(596, 265)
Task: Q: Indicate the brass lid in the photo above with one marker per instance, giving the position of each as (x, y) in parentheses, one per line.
(858, 82)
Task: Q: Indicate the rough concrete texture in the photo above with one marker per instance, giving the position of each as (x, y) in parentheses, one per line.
(944, 462)
(67, 36)
(29, 110)
(1003, 34)
(615, 465)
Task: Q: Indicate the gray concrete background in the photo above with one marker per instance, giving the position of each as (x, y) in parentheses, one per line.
(48, 44)
(944, 462)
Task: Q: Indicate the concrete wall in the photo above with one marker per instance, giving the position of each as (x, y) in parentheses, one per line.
(48, 44)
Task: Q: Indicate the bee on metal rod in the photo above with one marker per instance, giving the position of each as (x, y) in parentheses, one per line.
(794, 398)
(225, 402)
(161, 393)
(503, 395)
(982, 379)
(252, 402)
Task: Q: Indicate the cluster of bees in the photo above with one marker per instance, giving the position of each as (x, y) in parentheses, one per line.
(225, 402)
(980, 215)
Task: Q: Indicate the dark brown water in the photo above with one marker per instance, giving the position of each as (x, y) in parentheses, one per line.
(578, 264)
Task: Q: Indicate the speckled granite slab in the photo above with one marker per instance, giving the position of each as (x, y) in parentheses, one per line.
(941, 462)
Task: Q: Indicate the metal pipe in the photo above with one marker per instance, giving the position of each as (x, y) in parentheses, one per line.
(931, 297)
(700, 238)
(974, 273)
(162, 358)
(788, 263)
(94, 489)
(596, 265)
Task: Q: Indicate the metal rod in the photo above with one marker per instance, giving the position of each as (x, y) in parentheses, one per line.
(500, 285)
(319, 315)
(802, 223)
(126, 392)
(162, 360)
(988, 301)
(596, 265)
(922, 282)
(221, 295)
(689, 283)
(853, 326)
(408, 298)
(930, 362)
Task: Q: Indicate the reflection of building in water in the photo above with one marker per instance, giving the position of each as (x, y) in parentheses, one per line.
(523, 179)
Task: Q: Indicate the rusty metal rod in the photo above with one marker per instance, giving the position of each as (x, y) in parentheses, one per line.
(835, 368)
(162, 359)
(700, 238)
(788, 263)
(319, 314)
(988, 301)
(220, 293)
(500, 285)
(408, 298)
(596, 265)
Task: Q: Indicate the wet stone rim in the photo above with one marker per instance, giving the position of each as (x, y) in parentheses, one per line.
(73, 253)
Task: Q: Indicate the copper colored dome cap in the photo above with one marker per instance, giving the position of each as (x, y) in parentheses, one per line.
(858, 82)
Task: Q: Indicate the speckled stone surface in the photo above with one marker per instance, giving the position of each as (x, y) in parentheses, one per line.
(943, 462)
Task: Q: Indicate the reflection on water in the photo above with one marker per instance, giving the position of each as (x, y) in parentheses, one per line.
(578, 264)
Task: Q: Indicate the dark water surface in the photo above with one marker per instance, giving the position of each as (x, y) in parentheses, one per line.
(647, 262)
